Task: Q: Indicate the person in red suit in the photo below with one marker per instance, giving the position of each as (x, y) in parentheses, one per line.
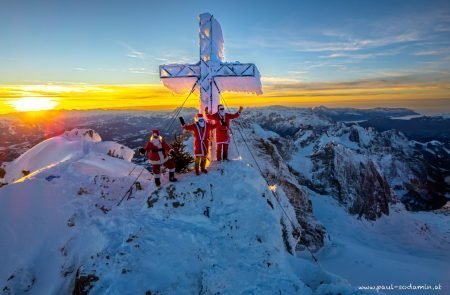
(202, 133)
(222, 120)
(159, 153)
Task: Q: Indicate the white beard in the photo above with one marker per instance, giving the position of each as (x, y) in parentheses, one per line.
(201, 124)
(222, 113)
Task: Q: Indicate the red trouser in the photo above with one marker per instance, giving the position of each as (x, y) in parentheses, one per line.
(222, 147)
(169, 164)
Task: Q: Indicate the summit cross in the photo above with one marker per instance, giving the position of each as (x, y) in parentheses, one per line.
(211, 75)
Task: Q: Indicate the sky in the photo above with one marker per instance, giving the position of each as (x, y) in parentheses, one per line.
(105, 54)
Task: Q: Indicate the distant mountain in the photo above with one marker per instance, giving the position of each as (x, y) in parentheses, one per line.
(362, 198)
(352, 114)
(343, 159)
(423, 129)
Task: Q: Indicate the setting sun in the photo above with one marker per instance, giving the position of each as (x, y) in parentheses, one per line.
(29, 104)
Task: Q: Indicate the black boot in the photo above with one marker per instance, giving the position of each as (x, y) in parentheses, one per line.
(203, 165)
(172, 177)
(157, 182)
(225, 155)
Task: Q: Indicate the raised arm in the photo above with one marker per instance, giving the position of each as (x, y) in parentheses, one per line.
(236, 115)
(183, 124)
(189, 127)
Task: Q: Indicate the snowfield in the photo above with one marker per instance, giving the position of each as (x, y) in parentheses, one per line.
(402, 248)
(61, 228)
(71, 145)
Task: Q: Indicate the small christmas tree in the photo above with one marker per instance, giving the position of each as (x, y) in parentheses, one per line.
(182, 158)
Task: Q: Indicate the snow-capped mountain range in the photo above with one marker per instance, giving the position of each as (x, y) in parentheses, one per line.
(363, 200)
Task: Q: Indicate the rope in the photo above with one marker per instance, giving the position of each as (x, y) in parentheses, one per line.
(178, 111)
(172, 120)
(259, 167)
(130, 189)
(239, 126)
(135, 165)
(231, 130)
(234, 141)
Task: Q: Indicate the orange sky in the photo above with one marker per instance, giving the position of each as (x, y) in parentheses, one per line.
(425, 98)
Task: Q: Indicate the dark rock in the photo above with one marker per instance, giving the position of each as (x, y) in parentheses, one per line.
(84, 283)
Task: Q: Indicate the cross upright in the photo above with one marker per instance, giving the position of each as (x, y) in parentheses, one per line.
(211, 75)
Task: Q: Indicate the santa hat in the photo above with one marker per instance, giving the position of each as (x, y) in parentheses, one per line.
(155, 131)
(219, 106)
(198, 116)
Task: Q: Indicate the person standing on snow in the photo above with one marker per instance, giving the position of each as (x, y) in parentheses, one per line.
(202, 133)
(159, 153)
(222, 120)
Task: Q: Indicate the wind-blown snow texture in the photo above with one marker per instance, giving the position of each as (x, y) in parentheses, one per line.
(61, 229)
(347, 187)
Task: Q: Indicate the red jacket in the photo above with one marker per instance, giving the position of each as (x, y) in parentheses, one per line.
(201, 137)
(223, 125)
(158, 153)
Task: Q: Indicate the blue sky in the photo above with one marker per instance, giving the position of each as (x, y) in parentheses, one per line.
(307, 41)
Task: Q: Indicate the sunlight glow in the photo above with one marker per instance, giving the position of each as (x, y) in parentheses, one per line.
(423, 97)
(30, 104)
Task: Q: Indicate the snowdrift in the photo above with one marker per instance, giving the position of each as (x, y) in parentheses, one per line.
(71, 145)
(62, 230)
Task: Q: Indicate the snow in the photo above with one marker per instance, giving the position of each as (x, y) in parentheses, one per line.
(409, 117)
(210, 29)
(202, 235)
(180, 85)
(260, 132)
(412, 246)
(208, 234)
(73, 144)
(249, 84)
(233, 77)
(302, 162)
(365, 135)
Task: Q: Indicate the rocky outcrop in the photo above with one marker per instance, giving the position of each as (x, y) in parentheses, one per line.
(417, 173)
(353, 180)
(313, 234)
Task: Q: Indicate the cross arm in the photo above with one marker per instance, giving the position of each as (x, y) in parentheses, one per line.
(236, 69)
(237, 77)
(179, 71)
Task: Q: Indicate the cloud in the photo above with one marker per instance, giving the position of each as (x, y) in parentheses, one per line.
(352, 44)
(161, 59)
(433, 52)
(272, 80)
(142, 71)
(133, 53)
(277, 90)
(79, 69)
(356, 55)
(175, 57)
(299, 73)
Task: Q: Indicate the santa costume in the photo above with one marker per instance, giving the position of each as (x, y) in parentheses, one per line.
(160, 153)
(222, 120)
(202, 133)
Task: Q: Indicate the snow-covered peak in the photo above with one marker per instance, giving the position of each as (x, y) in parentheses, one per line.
(71, 145)
(223, 232)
